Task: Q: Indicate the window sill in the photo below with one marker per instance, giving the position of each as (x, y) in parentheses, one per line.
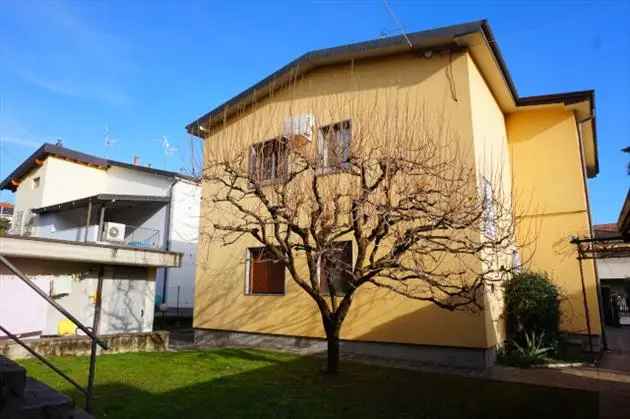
(331, 170)
(327, 294)
(269, 182)
(271, 294)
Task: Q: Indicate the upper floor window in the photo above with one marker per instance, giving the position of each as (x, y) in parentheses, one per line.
(333, 145)
(268, 160)
(36, 182)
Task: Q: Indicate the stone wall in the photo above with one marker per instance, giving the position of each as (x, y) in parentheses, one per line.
(429, 354)
(80, 345)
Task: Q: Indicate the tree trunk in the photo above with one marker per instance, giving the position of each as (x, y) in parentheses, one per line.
(332, 326)
(332, 366)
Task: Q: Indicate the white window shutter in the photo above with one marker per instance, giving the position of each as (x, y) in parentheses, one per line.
(248, 257)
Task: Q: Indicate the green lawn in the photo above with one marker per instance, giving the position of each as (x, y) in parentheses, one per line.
(234, 383)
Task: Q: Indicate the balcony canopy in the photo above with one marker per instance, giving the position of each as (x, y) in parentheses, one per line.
(108, 201)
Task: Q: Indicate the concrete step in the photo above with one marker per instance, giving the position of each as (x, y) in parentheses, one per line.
(12, 378)
(38, 402)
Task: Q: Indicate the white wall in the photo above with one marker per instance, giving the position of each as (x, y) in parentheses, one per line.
(28, 196)
(67, 181)
(128, 300)
(184, 232)
(15, 296)
(127, 303)
(121, 180)
(613, 268)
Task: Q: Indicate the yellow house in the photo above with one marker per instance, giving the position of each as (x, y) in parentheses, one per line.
(544, 148)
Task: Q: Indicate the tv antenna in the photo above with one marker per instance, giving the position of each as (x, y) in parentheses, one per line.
(109, 141)
(168, 149)
(397, 21)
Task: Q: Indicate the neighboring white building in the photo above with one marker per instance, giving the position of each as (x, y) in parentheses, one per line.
(68, 195)
(613, 267)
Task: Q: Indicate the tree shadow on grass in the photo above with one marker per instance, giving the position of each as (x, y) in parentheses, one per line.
(288, 387)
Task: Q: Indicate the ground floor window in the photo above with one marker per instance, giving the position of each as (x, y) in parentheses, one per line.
(264, 274)
(335, 269)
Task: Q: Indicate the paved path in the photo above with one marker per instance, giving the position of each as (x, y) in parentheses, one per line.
(618, 356)
(611, 379)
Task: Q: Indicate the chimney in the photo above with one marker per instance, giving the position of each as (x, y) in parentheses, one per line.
(136, 160)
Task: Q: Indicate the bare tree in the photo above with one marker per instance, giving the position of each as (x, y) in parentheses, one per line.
(398, 185)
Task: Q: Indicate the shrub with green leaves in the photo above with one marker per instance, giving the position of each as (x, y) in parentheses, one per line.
(532, 308)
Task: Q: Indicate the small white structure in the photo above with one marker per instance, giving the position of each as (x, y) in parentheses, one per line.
(69, 272)
(613, 268)
(64, 194)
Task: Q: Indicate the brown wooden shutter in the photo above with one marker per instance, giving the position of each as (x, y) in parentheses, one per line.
(260, 272)
(267, 275)
(276, 278)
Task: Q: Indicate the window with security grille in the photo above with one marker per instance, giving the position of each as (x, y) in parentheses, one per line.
(268, 160)
(333, 145)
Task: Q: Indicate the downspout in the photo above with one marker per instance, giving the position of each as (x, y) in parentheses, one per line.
(598, 285)
(167, 235)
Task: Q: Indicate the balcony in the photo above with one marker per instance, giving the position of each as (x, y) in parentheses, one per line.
(136, 221)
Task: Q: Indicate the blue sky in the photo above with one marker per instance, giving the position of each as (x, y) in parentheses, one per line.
(139, 71)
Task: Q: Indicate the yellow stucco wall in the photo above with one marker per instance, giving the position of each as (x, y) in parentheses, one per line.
(492, 159)
(548, 176)
(439, 87)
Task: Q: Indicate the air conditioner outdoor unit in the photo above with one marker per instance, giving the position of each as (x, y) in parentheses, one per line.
(114, 232)
(299, 128)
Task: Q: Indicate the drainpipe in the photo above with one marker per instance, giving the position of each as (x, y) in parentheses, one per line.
(586, 311)
(598, 284)
(167, 235)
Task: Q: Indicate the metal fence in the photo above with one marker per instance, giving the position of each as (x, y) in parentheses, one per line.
(90, 332)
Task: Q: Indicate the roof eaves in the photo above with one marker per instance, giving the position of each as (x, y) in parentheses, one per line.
(569, 98)
(48, 149)
(376, 47)
(420, 40)
(102, 198)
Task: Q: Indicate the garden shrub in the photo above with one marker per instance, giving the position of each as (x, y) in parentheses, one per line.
(532, 308)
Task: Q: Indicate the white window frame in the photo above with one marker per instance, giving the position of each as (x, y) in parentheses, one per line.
(489, 212)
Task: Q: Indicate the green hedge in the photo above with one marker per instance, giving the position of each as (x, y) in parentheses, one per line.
(532, 306)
